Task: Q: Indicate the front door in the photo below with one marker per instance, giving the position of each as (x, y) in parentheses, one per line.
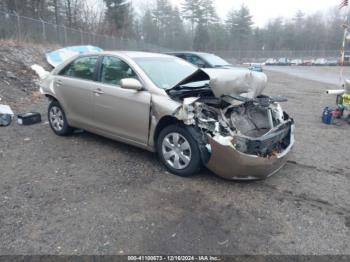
(118, 111)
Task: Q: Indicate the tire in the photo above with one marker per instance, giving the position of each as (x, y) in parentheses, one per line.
(57, 119)
(178, 151)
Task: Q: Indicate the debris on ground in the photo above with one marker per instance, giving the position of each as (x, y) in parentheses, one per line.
(29, 118)
(5, 109)
(5, 120)
(343, 104)
(6, 115)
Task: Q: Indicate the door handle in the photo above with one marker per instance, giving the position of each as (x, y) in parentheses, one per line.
(98, 91)
(59, 82)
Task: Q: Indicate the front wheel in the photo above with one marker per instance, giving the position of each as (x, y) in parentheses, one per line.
(57, 119)
(178, 151)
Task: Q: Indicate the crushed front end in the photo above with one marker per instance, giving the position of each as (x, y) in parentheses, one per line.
(240, 137)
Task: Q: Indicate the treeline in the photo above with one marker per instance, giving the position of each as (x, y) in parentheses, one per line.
(80, 14)
(194, 24)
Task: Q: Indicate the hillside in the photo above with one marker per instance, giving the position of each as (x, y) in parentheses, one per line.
(18, 82)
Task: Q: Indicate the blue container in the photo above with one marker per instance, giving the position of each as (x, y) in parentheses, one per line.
(327, 116)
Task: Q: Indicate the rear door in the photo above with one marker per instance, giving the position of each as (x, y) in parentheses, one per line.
(74, 85)
(118, 111)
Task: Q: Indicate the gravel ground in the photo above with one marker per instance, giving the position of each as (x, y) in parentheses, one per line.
(85, 194)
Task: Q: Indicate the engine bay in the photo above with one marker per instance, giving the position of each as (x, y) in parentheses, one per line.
(229, 107)
(252, 126)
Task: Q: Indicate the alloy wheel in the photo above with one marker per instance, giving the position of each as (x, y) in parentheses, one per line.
(176, 150)
(56, 118)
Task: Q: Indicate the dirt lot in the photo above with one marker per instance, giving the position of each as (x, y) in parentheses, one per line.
(85, 194)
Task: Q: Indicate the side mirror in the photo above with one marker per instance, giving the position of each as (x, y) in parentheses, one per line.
(131, 83)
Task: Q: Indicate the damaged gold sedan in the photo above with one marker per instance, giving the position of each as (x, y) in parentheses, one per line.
(192, 117)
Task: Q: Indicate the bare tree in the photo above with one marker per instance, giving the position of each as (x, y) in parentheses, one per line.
(92, 15)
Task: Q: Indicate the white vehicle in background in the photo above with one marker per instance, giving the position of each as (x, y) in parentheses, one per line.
(297, 62)
(321, 62)
(333, 62)
(271, 61)
(284, 61)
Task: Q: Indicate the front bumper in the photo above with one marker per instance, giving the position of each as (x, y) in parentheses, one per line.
(229, 163)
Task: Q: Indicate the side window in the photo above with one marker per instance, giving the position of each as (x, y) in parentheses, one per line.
(114, 69)
(181, 56)
(83, 67)
(195, 60)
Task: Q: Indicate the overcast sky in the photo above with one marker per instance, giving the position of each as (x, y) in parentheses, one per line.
(264, 10)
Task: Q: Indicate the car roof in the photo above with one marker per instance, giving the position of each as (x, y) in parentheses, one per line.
(134, 54)
(188, 52)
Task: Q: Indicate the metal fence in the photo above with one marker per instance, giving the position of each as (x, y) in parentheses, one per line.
(13, 26)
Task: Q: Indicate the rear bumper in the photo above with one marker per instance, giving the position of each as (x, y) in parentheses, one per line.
(229, 163)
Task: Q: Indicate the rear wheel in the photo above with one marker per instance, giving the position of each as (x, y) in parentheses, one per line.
(57, 119)
(178, 151)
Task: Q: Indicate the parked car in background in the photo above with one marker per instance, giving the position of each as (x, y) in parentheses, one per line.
(202, 60)
(191, 117)
(308, 62)
(257, 67)
(296, 62)
(333, 62)
(271, 61)
(320, 62)
(284, 61)
(346, 61)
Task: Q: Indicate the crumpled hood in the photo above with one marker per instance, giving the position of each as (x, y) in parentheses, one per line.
(236, 82)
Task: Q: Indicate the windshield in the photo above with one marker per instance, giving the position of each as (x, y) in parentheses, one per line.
(214, 60)
(165, 72)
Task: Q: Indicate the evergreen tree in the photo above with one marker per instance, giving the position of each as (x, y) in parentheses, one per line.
(201, 37)
(207, 13)
(258, 39)
(239, 24)
(162, 17)
(191, 11)
(273, 35)
(231, 25)
(176, 35)
(119, 16)
(149, 28)
(218, 37)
